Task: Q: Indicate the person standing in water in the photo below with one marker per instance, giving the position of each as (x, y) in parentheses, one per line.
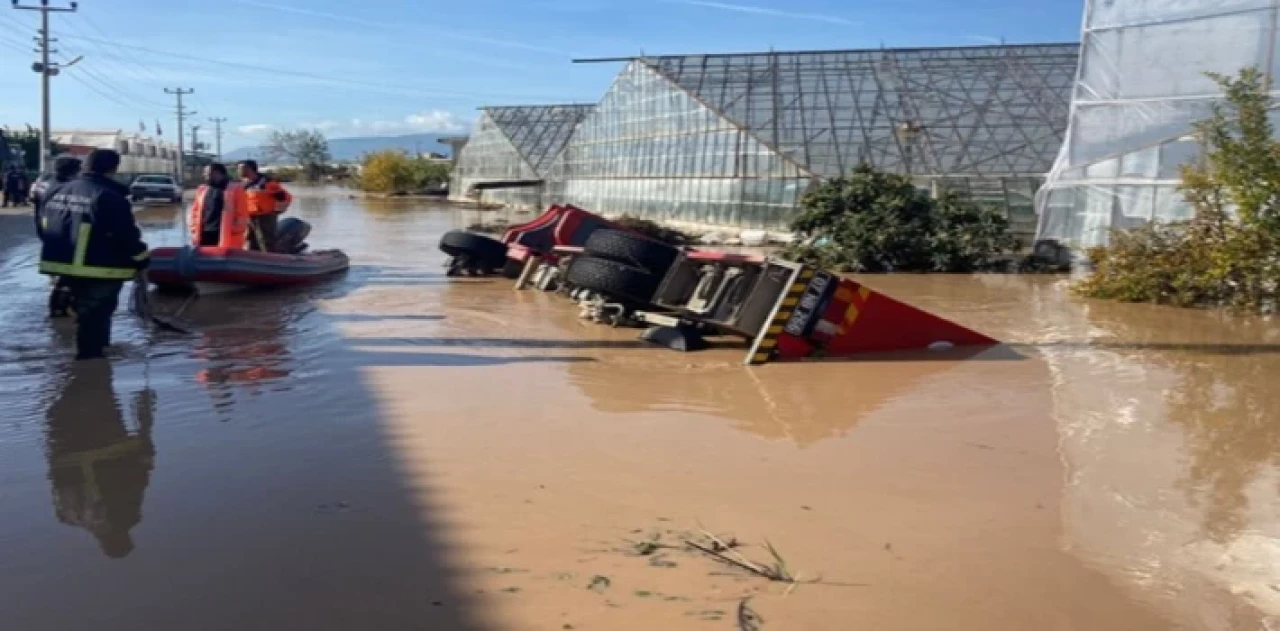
(91, 240)
(65, 169)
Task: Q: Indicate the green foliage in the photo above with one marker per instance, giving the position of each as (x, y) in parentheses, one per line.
(392, 172)
(306, 148)
(28, 142)
(871, 221)
(1228, 254)
(654, 230)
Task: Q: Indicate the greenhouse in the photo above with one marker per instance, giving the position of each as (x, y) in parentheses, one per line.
(737, 139)
(1142, 85)
(510, 150)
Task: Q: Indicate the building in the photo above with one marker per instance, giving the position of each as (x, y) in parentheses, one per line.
(507, 156)
(138, 153)
(737, 139)
(455, 143)
(1141, 87)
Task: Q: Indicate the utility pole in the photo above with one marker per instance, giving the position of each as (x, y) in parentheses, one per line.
(217, 131)
(195, 139)
(182, 116)
(46, 70)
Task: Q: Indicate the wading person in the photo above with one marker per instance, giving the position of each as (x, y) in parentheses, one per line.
(267, 201)
(12, 183)
(220, 212)
(92, 241)
(65, 169)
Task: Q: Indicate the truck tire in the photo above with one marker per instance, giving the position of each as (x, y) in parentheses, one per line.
(480, 247)
(632, 249)
(611, 278)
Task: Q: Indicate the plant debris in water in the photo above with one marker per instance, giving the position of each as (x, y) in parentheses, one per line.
(748, 619)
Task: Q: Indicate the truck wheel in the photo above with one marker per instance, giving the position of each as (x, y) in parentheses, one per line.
(632, 249)
(613, 279)
(458, 242)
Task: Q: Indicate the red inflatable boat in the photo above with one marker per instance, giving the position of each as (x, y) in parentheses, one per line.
(213, 269)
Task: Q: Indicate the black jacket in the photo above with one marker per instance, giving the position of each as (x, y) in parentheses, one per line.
(88, 230)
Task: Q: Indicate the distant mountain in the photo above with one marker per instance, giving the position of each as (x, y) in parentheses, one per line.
(350, 149)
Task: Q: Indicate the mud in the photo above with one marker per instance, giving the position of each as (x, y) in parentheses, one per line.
(397, 450)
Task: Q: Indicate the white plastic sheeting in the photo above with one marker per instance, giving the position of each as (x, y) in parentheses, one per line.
(1140, 87)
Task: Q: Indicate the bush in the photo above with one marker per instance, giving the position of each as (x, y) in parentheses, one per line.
(1228, 253)
(654, 230)
(395, 173)
(871, 221)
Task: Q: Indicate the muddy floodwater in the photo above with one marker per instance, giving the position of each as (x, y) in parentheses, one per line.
(395, 450)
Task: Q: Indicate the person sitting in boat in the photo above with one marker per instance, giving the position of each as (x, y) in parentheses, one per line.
(220, 212)
(267, 201)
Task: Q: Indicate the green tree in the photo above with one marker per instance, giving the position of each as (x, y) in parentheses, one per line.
(395, 173)
(28, 142)
(872, 221)
(1228, 253)
(307, 148)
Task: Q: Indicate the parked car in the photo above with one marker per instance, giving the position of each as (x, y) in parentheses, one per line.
(155, 187)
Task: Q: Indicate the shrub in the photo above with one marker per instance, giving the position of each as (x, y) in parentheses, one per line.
(395, 173)
(871, 221)
(654, 230)
(1228, 253)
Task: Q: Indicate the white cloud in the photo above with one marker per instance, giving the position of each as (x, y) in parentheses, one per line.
(425, 121)
(435, 120)
(742, 8)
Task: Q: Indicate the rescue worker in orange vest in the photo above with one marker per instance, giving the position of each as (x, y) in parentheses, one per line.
(220, 213)
(267, 201)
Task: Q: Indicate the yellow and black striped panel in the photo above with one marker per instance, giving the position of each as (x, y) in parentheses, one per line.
(767, 344)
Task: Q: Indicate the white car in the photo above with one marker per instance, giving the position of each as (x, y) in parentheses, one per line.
(155, 187)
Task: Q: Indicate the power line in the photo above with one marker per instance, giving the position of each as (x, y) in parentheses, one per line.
(276, 73)
(130, 58)
(133, 101)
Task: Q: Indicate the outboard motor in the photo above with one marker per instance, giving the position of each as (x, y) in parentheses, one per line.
(290, 236)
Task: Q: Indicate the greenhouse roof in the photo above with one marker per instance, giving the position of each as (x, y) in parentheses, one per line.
(977, 110)
(538, 132)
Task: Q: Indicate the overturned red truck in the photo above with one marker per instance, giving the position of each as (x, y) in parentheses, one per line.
(786, 310)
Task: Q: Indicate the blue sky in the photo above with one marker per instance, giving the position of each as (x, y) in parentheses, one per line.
(381, 67)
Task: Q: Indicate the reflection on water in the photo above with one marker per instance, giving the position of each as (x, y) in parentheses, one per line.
(99, 467)
(1166, 423)
(1170, 430)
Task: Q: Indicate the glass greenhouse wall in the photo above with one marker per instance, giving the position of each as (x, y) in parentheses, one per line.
(1141, 86)
(513, 146)
(736, 140)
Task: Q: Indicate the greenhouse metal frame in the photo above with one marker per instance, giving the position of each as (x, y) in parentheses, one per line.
(1143, 84)
(737, 139)
(510, 150)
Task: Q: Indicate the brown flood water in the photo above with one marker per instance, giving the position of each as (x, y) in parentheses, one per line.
(396, 450)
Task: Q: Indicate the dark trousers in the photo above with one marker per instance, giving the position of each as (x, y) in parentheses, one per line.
(60, 300)
(210, 238)
(10, 197)
(264, 228)
(95, 302)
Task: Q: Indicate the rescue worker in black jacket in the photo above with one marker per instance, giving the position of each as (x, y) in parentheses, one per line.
(92, 241)
(65, 169)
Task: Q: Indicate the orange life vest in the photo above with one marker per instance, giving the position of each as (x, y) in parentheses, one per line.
(235, 217)
(267, 197)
